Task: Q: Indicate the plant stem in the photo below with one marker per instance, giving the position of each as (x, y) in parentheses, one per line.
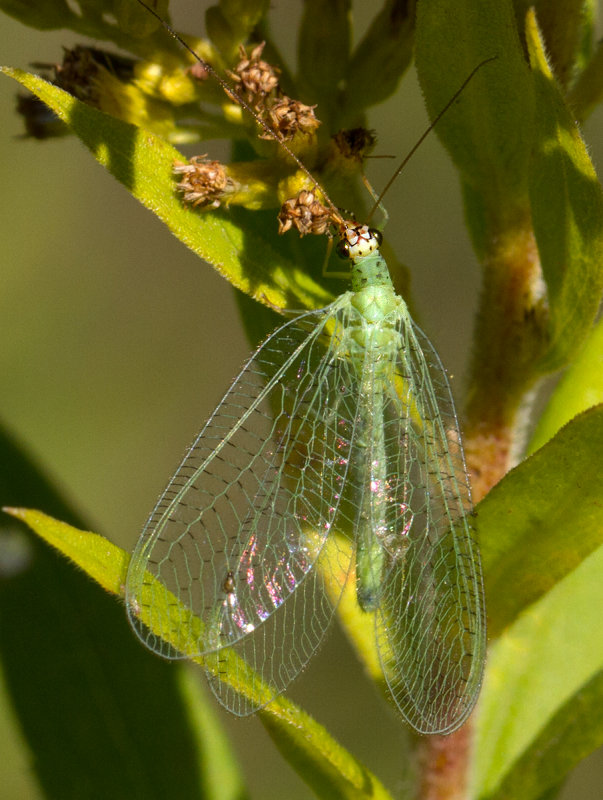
(509, 339)
(508, 342)
(443, 764)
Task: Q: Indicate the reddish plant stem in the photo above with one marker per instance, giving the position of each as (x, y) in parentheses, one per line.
(443, 762)
(508, 342)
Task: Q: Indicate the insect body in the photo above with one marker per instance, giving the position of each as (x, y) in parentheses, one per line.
(335, 452)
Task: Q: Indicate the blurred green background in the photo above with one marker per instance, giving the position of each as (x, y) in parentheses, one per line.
(116, 343)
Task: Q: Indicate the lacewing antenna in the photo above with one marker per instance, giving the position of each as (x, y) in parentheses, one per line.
(426, 133)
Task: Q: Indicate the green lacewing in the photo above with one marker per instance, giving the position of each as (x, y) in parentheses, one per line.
(335, 453)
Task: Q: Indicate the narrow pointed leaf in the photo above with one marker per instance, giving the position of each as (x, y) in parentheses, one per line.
(327, 767)
(324, 51)
(537, 671)
(86, 695)
(542, 545)
(580, 388)
(93, 21)
(567, 213)
(570, 735)
(567, 30)
(528, 523)
(385, 50)
(240, 250)
(488, 130)
(102, 560)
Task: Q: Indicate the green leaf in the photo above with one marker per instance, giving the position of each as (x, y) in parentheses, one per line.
(230, 23)
(515, 135)
(567, 214)
(566, 30)
(134, 20)
(488, 131)
(323, 54)
(94, 21)
(541, 535)
(580, 388)
(236, 243)
(327, 767)
(102, 560)
(536, 672)
(385, 50)
(572, 733)
(335, 775)
(586, 94)
(45, 14)
(88, 697)
(529, 523)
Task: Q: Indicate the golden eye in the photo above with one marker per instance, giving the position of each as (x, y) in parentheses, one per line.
(377, 235)
(343, 249)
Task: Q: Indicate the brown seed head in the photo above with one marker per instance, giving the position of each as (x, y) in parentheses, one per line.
(355, 143)
(256, 78)
(306, 214)
(77, 72)
(286, 117)
(204, 182)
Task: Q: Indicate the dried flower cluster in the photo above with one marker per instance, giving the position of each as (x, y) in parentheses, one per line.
(355, 143)
(257, 81)
(80, 75)
(204, 182)
(286, 117)
(255, 78)
(306, 214)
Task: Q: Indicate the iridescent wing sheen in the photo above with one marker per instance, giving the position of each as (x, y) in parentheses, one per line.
(430, 617)
(225, 562)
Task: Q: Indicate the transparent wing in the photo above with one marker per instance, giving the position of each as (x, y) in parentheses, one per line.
(430, 619)
(225, 562)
